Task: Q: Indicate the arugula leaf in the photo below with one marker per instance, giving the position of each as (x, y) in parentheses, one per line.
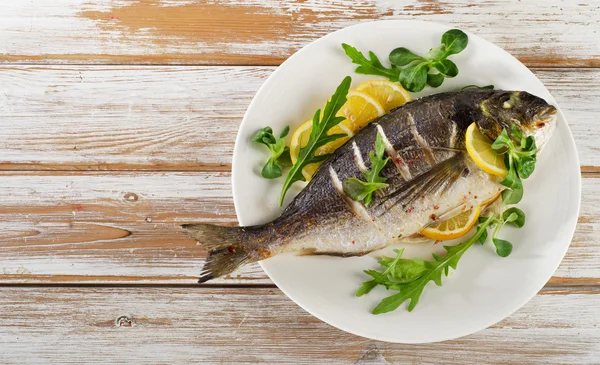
(280, 153)
(407, 270)
(359, 190)
(369, 66)
(433, 272)
(318, 136)
(366, 287)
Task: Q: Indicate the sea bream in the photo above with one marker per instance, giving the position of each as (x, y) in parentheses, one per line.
(430, 177)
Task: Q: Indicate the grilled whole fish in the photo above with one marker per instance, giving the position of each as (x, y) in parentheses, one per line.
(431, 177)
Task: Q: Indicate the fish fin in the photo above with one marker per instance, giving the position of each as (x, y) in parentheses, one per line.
(437, 180)
(226, 252)
(415, 238)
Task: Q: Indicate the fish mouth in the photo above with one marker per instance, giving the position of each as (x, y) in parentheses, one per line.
(545, 116)
(544, 124)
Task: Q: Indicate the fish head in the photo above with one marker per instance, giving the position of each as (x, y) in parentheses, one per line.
(530, 114)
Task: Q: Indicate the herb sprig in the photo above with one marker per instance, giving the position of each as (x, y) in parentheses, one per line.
(513, 216)
(280, 153)
(318, 136)
(520, 158)
(418, 71)
(359, 190)
(410, 276)
(370, 66)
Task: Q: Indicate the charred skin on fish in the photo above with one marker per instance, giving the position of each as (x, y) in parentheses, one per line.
(430, 175)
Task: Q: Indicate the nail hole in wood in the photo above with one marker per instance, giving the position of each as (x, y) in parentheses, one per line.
(131, 197)
(124, 321)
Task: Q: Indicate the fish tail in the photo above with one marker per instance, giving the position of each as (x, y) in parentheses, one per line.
(225, 246)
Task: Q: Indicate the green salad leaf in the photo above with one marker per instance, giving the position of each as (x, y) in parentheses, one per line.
(370, 66)
(503, 247)
(402, 57)
(360, 190)
(420, 273)
(418, 71)
(520, 158)
(318, 136)
(410, 276)
(280, 153)
(434, 80)
(454, 41)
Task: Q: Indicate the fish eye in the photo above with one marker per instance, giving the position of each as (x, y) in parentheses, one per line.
(505, 101)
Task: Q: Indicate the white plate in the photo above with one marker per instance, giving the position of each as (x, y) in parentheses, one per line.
(485, 288)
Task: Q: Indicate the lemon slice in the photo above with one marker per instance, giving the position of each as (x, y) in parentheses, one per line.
(491, 200)
(454, 227)
(300, 139)
(388, 94)
(360, 109)
(479, 148)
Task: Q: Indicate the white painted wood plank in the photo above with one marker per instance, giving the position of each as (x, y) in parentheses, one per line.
(177, 118)
(249, 325)
(540, 32)
(123, 227)
(102, 118)
(116, 226)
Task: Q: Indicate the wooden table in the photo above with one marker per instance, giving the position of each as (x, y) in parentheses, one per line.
(117, 123)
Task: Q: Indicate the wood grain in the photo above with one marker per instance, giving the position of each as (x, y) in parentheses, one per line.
(540, 33)
(72, 325)
(122, 118)
(178, 117)
(123, 227)
(107, 147)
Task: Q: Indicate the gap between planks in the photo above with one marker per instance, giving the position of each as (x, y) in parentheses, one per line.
(554, 285)
(586, 171)
(252, 61)
(267, 32)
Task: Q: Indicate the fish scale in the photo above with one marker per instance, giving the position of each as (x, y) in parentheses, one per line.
(430, 176)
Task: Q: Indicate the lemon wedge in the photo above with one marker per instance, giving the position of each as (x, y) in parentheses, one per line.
(480, 150)
(370, 100)
(300, 139)
(452, 228)
(360, 109)
(388, 94)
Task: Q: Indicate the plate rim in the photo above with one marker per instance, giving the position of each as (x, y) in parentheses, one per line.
(506, 314)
